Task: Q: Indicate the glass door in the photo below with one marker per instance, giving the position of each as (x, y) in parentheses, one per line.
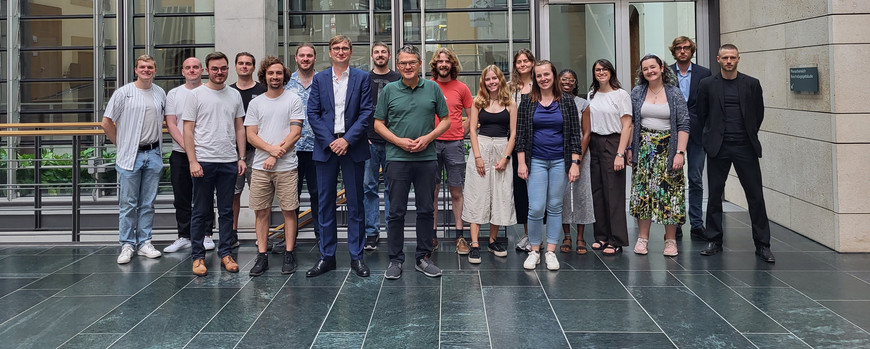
(579, 35)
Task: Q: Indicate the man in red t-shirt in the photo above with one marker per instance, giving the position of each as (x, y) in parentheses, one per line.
(450, 146)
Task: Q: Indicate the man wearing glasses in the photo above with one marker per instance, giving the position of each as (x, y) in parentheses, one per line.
(403, 117)
(689, 77)
(339, 107)
(213, 132)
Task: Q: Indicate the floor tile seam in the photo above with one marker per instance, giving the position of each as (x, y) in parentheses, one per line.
(255, 319)
(553, 310)
(762, 311)
(485, 315)
(592, 299)
(52, 273)
(40, 302)
(440, 307)
(618, 332)
(463, 331)
(239, 290)
(645, 311)
(127, 300)
(843, 300)
(855, 276)
(328, 311)
(861, 329)
(372, 316)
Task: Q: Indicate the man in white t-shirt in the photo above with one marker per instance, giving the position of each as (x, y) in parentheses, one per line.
(179, 169)
(273, 125)
(133, 122)
(213, 131)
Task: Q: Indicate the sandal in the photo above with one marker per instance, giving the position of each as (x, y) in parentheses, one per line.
(613, 250)
(599, 245)
(581, 247)
(566, 244)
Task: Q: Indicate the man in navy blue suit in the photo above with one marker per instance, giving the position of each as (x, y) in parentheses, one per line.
(339, 108)
(689, 77)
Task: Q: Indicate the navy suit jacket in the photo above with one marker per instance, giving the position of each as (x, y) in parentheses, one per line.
(711, 110)
(698, 73)
(357, 112)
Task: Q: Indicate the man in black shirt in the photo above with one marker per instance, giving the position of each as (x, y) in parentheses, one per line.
(380, 76)
(249, 89)
(731, 108)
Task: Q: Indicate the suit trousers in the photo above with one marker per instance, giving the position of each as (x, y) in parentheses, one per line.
(307, 172)
(608, 191)
(327, 179)
(400, 176)
(695, 172)
(742, 155)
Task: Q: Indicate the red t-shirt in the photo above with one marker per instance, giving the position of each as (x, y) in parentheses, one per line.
(458, 97)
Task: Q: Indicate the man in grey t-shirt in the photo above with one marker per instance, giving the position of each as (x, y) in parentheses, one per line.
(213, 131)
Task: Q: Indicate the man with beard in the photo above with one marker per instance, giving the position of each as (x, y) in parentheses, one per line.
(248, 89)
(689, 76)
(450, 146)
(300, 84)
(214, 141)
(273, 124)
(731, 109)
(380, 76)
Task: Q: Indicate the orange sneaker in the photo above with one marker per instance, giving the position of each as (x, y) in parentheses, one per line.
(230, 264)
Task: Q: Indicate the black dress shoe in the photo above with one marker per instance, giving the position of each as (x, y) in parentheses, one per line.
(698, 233)
(679, 232)
(321, 267)
(360, 267)
(711, 249)
(765, 254)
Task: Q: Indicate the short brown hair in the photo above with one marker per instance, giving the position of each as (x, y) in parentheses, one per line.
(339, 39)
(306, 44)
(268, 62)
(679, 41)
(215, 56)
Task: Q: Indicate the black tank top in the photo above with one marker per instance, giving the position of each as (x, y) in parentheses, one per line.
(494, 124)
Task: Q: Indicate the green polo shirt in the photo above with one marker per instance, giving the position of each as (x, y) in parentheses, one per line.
(408, 113)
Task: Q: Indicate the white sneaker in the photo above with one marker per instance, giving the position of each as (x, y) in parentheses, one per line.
(532, 260)
(524, 245)
(148, 250)
(208, 243)
(552, 262)
(181, 243)
(126, 254)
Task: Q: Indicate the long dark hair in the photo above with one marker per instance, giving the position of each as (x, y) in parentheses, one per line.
(614, 82)
(516, 81)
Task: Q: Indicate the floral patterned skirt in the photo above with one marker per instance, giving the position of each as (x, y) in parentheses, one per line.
(657, 191)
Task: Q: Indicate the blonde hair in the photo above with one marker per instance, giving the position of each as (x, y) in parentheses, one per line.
(481, 101)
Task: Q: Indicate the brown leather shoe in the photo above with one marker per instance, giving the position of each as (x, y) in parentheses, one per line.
(230, 264)
(199, 268)
(462, 246)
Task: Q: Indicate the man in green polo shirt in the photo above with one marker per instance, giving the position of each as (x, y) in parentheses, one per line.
(403, 117)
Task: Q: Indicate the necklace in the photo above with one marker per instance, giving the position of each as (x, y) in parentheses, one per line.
(656, 94)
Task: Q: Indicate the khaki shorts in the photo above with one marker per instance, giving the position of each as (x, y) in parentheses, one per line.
(265, 185)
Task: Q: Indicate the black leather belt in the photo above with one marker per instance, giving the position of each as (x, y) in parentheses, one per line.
(338, 135)
(149, 146)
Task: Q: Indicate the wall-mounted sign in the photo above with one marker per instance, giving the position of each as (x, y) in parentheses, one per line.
(804, 79)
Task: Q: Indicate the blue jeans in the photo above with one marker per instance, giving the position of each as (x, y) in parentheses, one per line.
(546, 183)
(220, 178)
(138, 189)
(371, 199)
(696, 158)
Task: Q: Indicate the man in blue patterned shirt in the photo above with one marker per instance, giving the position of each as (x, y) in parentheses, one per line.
(300, 83)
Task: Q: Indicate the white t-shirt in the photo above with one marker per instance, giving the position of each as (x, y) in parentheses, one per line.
(176, 100)
(152, 127)
(607, 109)
(272, 117)
(214, 112)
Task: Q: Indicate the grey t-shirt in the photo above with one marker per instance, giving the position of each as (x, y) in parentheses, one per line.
(272, 117)
(214, 112)
(176, 100)
(151, 128)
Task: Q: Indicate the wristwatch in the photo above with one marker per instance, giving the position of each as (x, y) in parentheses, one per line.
(507, 157)
(681, 152)
(620, 155)
(575, 162)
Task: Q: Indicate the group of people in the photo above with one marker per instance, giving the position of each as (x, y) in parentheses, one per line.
(540, 153)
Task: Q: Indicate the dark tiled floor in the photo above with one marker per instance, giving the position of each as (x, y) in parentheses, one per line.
(78, 297)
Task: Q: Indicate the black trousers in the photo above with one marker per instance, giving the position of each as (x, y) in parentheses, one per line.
(521, 194)
(307, 172)
(400, 175)
(182, 192)
(608, 191)
(742, 155)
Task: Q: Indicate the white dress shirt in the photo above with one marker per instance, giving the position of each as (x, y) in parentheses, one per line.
(339, 91)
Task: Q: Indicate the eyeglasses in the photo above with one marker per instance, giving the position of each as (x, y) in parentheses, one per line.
(408, 64)
(568, 80)
(221, 69)
(683, 48)
(599, 70)
(340, 49)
